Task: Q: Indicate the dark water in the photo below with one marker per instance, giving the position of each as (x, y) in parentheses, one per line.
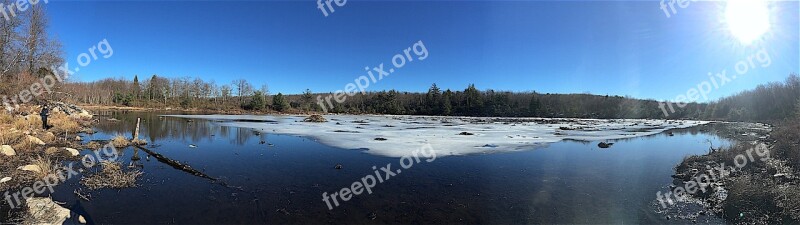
(282, 181)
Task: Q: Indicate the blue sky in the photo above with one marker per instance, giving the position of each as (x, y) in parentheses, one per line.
(600, 47)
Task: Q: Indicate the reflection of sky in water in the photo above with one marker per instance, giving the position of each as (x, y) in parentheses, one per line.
(566, 182)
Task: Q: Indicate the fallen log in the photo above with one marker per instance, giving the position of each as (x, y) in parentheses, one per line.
(176, 164)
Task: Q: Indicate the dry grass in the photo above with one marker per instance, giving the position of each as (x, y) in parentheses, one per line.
(6, 118)
(111, 176)
(120, 141)
(10, 138)
(63, 123)
(30, 122)
(46, 165)
(48, 137)
(24, 144)
(93, 145)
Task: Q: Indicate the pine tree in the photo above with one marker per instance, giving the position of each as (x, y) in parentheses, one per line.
(307, 99)
(473, 101)
(433, 101)
(136, 88)
(279, 103)
(258, 102)
(447, 104)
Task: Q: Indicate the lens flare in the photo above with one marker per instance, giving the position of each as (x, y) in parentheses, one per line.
(747, 20)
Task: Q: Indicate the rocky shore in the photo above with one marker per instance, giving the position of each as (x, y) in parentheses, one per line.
(30, 154)
(753, 182)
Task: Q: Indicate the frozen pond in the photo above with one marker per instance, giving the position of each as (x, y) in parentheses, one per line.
(275, 170)
(396, 136)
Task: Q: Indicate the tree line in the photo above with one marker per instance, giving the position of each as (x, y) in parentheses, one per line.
(767, 102)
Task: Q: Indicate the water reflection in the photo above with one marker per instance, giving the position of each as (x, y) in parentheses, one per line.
(157, 128)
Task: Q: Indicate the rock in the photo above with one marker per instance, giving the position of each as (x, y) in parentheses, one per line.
(7, 150)
(380, 139)
(45, 211)
(605, 145)
(5, 179)
(32, 168)
(78, 138)
(81, 220)
(465, 133)
(338, 166)
(35, 140)
(85, 115)
(72, 151)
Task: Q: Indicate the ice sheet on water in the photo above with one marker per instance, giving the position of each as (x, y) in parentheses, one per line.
(396, 136)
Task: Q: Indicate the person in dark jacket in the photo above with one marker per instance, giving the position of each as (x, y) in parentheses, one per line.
(45, 112)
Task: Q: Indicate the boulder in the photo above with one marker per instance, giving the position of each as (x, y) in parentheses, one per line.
(605, 145)
(72, 151)
(7, 150)
(5, 179)
(45, 211)
(81, 220)
(32, 168)
(35, 140)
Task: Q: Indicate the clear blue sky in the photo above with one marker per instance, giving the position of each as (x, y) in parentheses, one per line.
(600, 47)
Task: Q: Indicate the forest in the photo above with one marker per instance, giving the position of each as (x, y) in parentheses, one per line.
(768, 102)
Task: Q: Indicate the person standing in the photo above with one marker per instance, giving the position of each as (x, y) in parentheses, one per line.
(45, 112)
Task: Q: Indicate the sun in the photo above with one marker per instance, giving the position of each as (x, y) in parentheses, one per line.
(747, 20)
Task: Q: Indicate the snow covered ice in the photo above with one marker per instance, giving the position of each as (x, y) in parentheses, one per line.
(396, 136)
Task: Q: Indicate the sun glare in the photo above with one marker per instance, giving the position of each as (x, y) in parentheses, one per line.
(747, 20)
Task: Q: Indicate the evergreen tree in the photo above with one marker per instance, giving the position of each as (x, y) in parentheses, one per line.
(433, 101)
(307, 100)
(279, 103)
(447, 104)
(136, 88)
(473, 101)
(258, 102)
